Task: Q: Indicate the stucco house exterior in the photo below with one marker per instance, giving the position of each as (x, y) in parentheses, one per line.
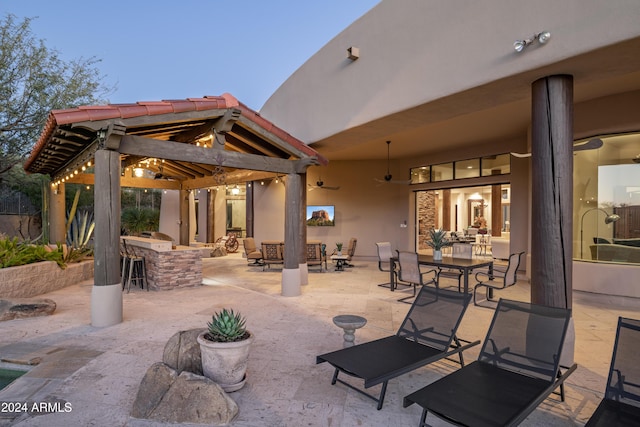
(443, 82)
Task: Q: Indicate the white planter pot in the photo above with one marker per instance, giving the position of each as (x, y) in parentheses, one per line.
(437, 255)
(225, 362)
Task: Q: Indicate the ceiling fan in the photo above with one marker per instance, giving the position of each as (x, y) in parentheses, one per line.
(592, 144)
(388, 176)
(161, 175)
(320, 186)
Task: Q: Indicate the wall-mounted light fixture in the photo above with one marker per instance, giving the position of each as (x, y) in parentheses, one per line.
(542, 38)
(353, 53)
(138, 172)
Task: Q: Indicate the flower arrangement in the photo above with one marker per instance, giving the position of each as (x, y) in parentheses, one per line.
(339, 246)
(438, 239)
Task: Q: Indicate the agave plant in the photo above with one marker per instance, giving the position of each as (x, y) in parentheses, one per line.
(227, 326)
(438, 239)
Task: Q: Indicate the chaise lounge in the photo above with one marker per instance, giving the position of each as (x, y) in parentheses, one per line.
(427, 334)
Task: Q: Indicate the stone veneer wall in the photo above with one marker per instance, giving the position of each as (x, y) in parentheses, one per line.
(26, 281)
(172, 269)
(426, 216)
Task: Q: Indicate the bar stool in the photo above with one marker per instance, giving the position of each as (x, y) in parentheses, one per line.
(134, 270)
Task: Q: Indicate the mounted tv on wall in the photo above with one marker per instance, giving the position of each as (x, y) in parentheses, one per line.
(320, 215)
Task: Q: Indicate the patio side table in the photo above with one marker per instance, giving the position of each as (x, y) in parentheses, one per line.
(349, 323)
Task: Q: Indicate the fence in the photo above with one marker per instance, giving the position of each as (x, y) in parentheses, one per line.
(15, 203)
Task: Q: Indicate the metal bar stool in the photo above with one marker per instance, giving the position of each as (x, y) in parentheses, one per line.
(135, 270)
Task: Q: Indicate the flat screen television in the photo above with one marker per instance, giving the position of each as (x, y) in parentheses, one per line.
(320, 215)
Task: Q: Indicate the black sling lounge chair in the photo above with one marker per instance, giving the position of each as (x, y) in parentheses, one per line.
(427, 334)
(621, 404)
(517, 369)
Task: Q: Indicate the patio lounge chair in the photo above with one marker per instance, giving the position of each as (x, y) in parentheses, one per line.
(427, 334)
(518, 368)
(506, 278)
(252, 252)
(272, 254)
(314, 254)
(351, 250)
(621, 403)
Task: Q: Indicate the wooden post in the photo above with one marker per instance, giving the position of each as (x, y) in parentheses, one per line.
(446, 209)
(496, 210)
(304, 268)
(249, 208)
(57, 214)
(106, 298)
(291, 270)
(184, 217)
(552, 191)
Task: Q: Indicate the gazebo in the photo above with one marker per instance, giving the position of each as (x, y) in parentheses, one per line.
(199, 142)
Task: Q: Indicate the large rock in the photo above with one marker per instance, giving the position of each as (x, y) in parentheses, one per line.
(19, 308)
(165, 396)
(182, 352)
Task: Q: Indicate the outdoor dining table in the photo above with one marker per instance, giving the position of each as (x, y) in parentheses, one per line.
(466, 266)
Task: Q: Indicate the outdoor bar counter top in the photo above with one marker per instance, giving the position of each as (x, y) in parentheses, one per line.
(167, 267)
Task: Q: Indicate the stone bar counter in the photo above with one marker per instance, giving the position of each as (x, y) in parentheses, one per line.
(167, 267)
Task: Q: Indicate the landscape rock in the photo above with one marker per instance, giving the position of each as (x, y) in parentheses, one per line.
(165, 396)
(182, 352)
(19, 308)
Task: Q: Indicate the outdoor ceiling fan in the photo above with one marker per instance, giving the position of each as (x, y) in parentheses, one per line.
(388, 177)
(592, 144)
(161, 175)
(320, 185)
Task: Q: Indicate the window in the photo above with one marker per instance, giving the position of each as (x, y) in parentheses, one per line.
(607, 201)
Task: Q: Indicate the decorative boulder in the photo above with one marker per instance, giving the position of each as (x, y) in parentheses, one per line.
(165, 396)
(182, 352)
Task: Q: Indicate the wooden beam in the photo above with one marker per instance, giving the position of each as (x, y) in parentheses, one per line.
(170, 150)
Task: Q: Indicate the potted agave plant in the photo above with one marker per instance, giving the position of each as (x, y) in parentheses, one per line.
(224, 347)
(437, 241)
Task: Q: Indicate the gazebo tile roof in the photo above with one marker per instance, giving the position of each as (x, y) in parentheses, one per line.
(151, 108)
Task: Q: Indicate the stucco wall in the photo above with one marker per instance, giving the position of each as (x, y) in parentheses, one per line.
(411, 44)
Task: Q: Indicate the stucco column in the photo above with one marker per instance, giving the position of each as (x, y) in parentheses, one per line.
(106, 297)
(552, 191)
(184, 217)
(292, 243)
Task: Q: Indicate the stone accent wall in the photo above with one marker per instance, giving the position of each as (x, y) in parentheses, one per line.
(427, 216)
(172, 269)
(30, 280)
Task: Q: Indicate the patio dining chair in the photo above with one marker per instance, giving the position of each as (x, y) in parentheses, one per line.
(517, 369)
(385, 263)
(620, 406)
(458, 250)
(427, 334)
(500, 279)
(409, 272)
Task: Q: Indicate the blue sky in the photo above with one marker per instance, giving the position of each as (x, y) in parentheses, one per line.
(159, 49)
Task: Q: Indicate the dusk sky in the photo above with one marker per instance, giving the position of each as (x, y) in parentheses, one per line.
(154, 50)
